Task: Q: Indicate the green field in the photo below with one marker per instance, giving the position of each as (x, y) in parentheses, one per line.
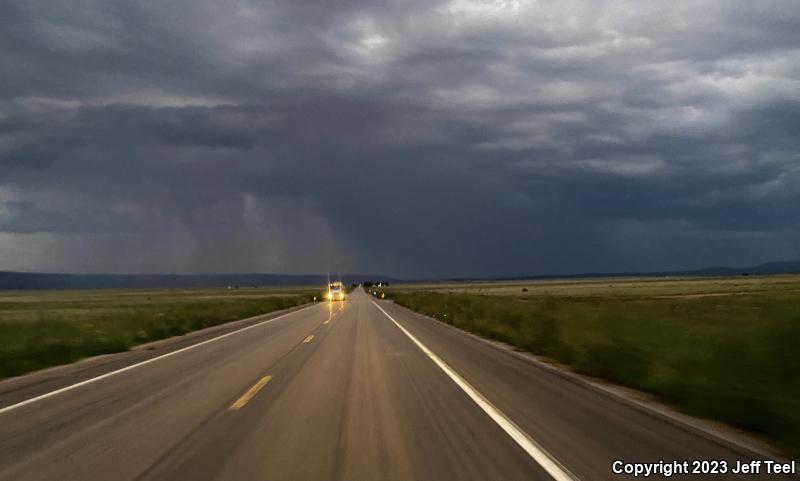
(723, 348)
(44, 328)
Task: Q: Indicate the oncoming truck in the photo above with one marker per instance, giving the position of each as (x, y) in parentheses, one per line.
(335, 291)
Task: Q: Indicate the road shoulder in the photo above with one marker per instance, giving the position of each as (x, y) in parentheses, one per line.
(732, 438)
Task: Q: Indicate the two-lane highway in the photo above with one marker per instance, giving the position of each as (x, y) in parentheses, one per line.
(360, 390)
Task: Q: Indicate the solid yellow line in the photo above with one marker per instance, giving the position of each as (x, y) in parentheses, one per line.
(250, 393)
(308, 338)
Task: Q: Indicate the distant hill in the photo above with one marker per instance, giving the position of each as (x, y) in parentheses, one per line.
(36, 280)
(781, 267)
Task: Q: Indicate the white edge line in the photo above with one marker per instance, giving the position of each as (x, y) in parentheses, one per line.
(658, 411)
(534, 450)
(142, 363)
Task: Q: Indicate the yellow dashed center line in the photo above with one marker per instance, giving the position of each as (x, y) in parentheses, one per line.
(250, 393)
(308, 338)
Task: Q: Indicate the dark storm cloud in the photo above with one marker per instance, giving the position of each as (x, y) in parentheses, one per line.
(413, 138)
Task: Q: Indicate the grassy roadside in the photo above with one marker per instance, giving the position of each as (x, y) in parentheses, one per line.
(47, 328)
(722, 349)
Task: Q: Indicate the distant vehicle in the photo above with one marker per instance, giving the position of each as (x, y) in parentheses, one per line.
(335, 291)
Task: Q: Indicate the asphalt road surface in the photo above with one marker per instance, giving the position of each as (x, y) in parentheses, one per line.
(360, 390)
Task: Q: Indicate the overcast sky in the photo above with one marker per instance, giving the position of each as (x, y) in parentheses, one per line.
(409, 138)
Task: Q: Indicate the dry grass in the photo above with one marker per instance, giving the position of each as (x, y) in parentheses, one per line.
(45, 328)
